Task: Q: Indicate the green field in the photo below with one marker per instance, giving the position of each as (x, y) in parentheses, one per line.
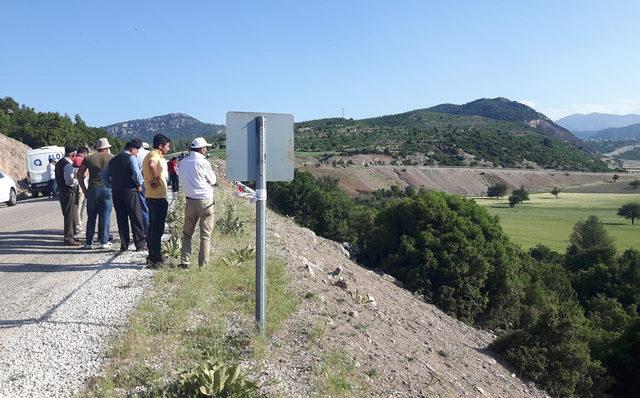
(547, 220)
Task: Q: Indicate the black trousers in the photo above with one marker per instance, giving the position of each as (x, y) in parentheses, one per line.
(175, 182)
(67, 197)
(157, 217)
(127, 206)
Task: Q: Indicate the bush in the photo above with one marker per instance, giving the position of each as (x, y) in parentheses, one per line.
(555, 353)
(229, 222)
(212, 378)
(453, 252)
(590, 244)
(630, 211)
(499, 189)
(518, 196)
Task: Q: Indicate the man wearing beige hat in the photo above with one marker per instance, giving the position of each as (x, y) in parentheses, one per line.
(197, 178)
(99, 199)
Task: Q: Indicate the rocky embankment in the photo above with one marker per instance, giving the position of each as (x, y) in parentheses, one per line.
(397, 344)
(13, 157)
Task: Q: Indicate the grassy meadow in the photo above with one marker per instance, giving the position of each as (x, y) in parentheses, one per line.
(549, 220)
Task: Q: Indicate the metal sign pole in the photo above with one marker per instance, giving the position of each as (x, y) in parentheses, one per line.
(261, 222)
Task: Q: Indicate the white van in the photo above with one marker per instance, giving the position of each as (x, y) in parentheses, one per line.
(37, 161)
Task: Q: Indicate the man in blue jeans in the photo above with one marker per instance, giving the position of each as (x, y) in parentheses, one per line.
(99, 199)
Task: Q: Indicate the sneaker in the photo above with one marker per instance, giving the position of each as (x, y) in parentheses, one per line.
(107, 245)
(183, 266)
(86, 247)
(73, 243)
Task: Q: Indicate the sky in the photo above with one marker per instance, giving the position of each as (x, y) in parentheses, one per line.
(120, 60)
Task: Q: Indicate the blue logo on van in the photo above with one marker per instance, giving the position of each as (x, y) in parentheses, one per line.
(37, 162)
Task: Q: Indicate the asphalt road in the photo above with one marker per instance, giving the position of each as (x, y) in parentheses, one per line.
(57, 303)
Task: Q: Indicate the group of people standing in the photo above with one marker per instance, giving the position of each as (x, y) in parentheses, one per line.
(134, 183)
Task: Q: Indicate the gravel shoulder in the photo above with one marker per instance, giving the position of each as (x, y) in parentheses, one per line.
(59, 304)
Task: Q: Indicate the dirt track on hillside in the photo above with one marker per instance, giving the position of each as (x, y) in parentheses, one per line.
(461, 181)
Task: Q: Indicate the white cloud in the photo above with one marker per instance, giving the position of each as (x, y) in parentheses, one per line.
(620, 108)
(528, 103)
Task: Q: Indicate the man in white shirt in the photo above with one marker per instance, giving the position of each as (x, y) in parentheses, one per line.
(197, 179)
(51, 173)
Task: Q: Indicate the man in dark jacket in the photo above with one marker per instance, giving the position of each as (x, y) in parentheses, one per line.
(67, 193)
(123, 176)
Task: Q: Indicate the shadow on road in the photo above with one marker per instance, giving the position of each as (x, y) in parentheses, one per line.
(44, 241)
(45, 318)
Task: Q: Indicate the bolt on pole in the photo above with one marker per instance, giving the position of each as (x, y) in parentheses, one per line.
(261, 222)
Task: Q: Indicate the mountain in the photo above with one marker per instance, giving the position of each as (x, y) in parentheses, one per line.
(595, 122)
(506, 134)
(620, 133)
(504, 109)
(174, 125)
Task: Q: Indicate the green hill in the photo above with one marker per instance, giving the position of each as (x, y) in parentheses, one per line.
(437, 138)
(178, 126)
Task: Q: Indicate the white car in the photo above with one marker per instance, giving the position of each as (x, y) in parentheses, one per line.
(8, 191)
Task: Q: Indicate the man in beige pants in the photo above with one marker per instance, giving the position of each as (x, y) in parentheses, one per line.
(197, 178)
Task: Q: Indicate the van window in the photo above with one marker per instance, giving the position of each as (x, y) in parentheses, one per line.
(1, 175)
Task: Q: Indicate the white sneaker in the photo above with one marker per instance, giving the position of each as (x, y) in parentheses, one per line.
(107, 245)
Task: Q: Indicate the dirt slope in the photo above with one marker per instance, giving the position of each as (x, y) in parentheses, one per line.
(13, 156)
(461, 181)
(398, 346)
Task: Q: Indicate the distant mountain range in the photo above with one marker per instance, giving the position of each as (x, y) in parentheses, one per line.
(587, 126)
(620, 133)
(174, 125)
(496, 132)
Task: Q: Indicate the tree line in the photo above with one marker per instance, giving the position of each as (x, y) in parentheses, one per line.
(568, 321)
(37, 129)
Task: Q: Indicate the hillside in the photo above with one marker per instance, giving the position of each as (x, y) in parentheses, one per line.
(425, 137)
(585, 125)
(13, 157)
(507, 110)
(357, 179)
(175, 125)
(397, 346)
(618, 133)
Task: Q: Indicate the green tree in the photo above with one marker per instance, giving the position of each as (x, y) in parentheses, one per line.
(590, 244)
(498, 189)
(451, 251)
(556, 191)
(518, 196)
(555, 353)
(630, 211)
(624, 361)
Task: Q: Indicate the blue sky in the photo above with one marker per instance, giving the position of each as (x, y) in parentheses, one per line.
(119, 60)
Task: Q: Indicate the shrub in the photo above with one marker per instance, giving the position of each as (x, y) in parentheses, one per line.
(229, 222)
(498, 189)
(630, 211)
(590, 244)
(555, 354)
(518, 196)
(212, 378)
(450, 250)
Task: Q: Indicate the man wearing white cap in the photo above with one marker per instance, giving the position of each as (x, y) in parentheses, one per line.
(99, 197)
(197, 179)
